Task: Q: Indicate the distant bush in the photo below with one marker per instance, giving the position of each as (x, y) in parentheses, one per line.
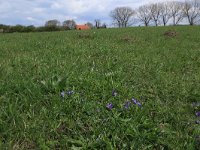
(20, 28)
(42, 29)
(17, 28)
(29, 29)
(4, 28)
(47, 28)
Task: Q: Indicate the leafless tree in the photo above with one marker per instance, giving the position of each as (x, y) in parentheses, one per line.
(104, 25)
(192, 11)
(155, 10)
(144, 14)
(90, 25)
(122, 16)
(176, 11)
(165, 14)
(71, 24)
(97, 23)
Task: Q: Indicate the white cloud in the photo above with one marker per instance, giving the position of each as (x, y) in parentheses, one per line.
(31, 19)
(38, 10)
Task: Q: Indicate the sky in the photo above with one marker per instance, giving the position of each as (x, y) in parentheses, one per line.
(37, 12)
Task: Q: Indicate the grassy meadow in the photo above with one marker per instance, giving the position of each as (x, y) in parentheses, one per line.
(55, 89)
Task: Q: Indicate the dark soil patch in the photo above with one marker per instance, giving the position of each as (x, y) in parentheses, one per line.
(128, 39)
(85, 36)
(171, 33)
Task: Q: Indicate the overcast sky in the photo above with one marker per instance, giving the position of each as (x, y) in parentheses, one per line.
(36, 12)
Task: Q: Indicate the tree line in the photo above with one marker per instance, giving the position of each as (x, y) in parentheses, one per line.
(31, 28)
(154, 14)
(50, 25)
(157, 14)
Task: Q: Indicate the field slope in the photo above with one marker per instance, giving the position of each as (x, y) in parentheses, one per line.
(55, 89)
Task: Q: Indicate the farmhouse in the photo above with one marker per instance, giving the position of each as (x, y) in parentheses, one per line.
(82, 27)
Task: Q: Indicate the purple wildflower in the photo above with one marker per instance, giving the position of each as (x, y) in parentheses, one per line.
(114, 93)
(62, 94)
(127, 104)
(136, 102)
(139, 104)
(198, 113)
(109, 106)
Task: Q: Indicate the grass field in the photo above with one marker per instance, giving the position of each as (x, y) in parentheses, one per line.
(162, 73)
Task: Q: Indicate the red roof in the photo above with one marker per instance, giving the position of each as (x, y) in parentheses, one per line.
(82, 27)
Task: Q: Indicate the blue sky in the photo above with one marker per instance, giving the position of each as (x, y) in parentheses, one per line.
(36, 12)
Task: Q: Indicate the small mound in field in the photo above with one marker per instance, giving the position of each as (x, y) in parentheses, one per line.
(170, 33)
(85, 36)
(128, 39)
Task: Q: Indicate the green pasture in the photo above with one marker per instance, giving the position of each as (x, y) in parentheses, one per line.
(161, 72)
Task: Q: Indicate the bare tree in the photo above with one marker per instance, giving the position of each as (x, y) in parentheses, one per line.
(90, 25)
(97, 23)
(192, 11)
(104, 25)
(144, 14)
(122, 16)
(155, 13)
(71, 24)
(176, 10)
(165, 14)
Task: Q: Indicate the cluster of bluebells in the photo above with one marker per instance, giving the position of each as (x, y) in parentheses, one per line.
(136, 102)
(69, 93)
(197, 113)
(109, 106)
(127, 103)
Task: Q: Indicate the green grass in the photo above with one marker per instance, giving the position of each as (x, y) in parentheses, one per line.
(163, 73)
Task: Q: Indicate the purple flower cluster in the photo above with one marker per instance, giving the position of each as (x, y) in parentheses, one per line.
(127, 103)
(198, 113)
(197, 104)
(136, 102)
(109, 106)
